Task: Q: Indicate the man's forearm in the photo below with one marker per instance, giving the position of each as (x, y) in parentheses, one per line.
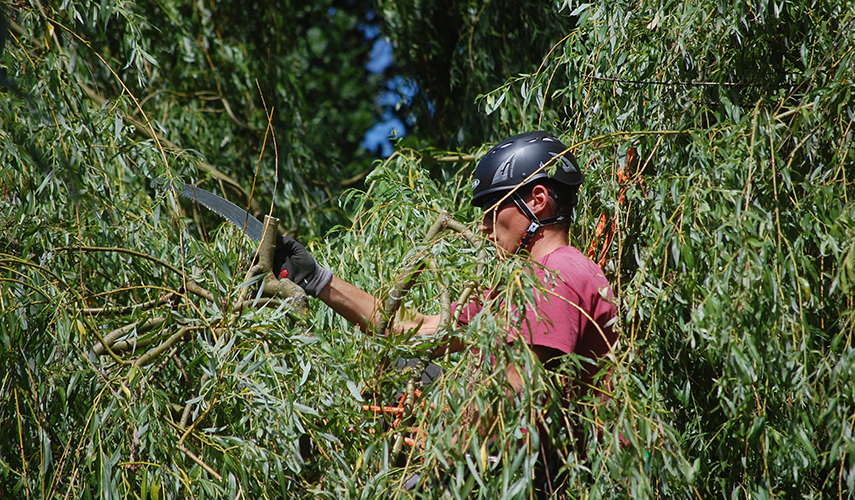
(364, 310)
(356, 305)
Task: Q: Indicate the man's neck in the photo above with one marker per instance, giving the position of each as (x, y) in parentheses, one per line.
(548, 239)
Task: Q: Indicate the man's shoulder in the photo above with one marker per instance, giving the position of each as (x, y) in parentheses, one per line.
(576, 270)
(569, 259)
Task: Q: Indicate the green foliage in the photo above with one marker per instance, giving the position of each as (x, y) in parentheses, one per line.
(472, 48)
(733, 257)
(733, 236)
(245, 96)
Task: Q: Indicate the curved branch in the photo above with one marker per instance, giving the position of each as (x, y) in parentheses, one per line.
(191, 285)
(195, 289)
(125, 251)
(5, 257)
(106, 342)
(122, 310)
(26, 285)
(393, 302)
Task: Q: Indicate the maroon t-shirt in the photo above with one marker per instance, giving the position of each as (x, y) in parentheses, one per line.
(574, 312)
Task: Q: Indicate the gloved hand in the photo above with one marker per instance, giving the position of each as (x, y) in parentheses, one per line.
(291, 260)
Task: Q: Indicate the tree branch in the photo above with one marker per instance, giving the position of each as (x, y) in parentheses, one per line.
(108, 340)
(672, 84)
(125, 251)
(182, 333)
(272, 286)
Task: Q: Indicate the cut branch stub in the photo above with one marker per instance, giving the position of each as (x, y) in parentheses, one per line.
(272, 285)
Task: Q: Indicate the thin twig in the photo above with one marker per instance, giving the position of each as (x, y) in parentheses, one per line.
(191, 285)
(196, 422)
(188, 408)
(122, 310)
(408, 405)
(5, 258)
(448, 159)
(187, 432)
(21, 440)
(199, 461)
(672, 84)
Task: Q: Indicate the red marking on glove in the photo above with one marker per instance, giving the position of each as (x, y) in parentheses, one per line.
(283, 274)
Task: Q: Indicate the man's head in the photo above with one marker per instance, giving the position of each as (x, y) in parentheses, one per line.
(524, 183)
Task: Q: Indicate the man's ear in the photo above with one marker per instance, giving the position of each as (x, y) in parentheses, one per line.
(539, 201)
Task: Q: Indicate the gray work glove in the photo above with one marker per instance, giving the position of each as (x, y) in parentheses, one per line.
(291, 260)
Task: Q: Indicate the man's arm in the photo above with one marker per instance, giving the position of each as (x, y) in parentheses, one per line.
(357, 306)
(365, 310)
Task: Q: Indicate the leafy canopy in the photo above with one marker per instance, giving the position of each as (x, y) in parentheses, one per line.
(716, 142)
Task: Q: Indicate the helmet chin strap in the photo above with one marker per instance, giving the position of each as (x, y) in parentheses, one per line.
(525, 241)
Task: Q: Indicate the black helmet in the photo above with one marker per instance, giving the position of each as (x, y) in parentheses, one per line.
(510, 163)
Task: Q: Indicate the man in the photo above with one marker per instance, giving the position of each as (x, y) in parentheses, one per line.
(527, 186)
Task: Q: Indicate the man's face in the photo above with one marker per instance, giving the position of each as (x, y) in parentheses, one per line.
(504, 225)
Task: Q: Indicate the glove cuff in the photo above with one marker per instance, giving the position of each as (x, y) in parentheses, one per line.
(317, 281)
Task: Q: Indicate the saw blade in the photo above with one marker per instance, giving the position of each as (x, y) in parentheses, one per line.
(242, 219)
